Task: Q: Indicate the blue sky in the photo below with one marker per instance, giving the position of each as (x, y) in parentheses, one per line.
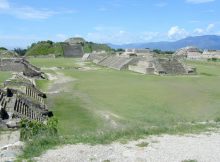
(106, 21)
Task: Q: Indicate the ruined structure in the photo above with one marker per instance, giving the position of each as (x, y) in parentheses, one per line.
(73, 47)
(160, 66)
(145, 64)
(111, 61)
(19, 98)
(193, 53)
(94, 57)
(136, 52)
(209, 54)
(20, 65)
(190, 52)
(116, 62)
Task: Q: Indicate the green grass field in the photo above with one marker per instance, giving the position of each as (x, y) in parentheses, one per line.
(4, 76)
(108, 100)
(103, 105)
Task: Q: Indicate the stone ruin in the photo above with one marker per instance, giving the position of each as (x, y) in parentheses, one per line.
(145, 64)
(20, 65)
(111, 61)
(73, 47)
(19, 98)
(190, 52)
(208, 54)
(160, 66)
(193, 53)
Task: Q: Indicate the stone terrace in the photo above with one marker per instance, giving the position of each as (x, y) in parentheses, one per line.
(21, 99)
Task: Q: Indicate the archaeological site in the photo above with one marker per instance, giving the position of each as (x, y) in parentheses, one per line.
(19, 97)
(141, 61)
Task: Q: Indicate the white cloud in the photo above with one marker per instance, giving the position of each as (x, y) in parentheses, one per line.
(31, 13)
(199, 1)
(176, 32)
(199, 31)
(204, 31)
(210, 27)
(27, 12)
(118, 35)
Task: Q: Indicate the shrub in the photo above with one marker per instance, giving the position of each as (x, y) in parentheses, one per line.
(30, 129)
(38, 137)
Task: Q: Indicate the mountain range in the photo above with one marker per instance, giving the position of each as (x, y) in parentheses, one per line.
(211, 42)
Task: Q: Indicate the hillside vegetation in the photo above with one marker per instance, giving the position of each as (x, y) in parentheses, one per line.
(49, 47)
(90, 47)
(45, 48)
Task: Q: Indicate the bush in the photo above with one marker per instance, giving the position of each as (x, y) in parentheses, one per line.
(213, 59)
(38, 137)
(30, 129)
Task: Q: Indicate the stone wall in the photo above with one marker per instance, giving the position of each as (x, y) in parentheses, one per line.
(73, 50)
(20, 65)
(21, 99)
(144, 67)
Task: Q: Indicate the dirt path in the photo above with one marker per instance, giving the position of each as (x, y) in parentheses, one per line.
(167, 148)
(58, 82)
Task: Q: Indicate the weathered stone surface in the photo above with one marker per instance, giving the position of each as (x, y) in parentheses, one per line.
(12, 124)
(73, 50)
(21, 99)
(19, 65)
(142, 64)
(162, 66)
(10, 146)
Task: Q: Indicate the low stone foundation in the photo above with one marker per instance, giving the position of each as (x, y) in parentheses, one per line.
(162, 66)
(20, 65)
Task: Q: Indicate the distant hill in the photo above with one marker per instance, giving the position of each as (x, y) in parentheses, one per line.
(211, 42)
(49, 47)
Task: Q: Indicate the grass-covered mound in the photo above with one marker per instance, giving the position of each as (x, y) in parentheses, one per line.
(45, 48)
(90, 47)
(49, 47)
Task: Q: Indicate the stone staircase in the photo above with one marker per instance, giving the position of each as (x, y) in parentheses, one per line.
(116, 62)
(24, 108)
(169, 66)
(97, 58)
